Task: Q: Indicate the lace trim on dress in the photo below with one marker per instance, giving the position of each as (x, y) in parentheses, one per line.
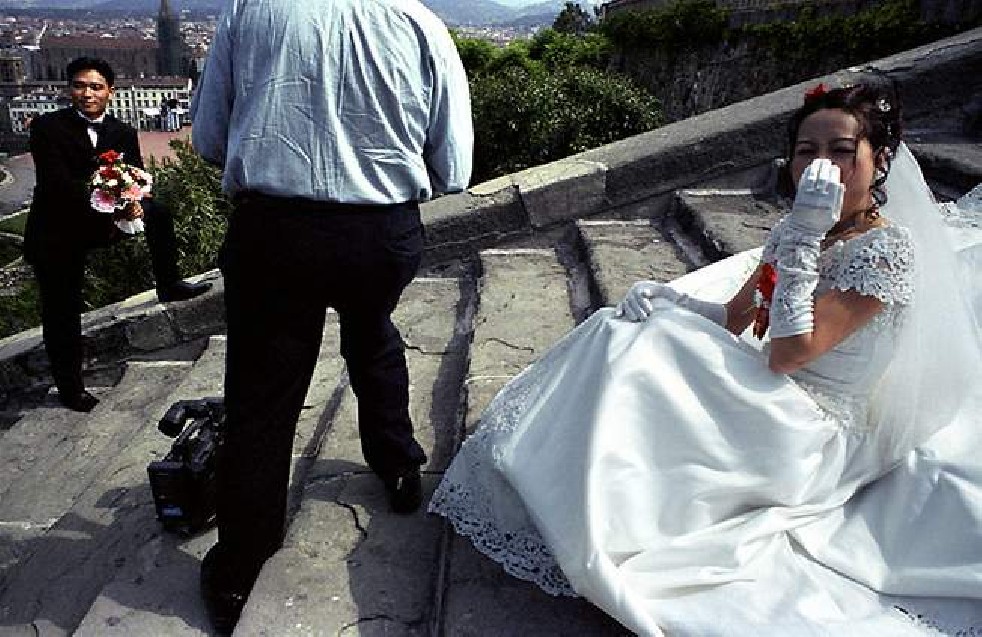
(950, 627)
(959, 218)
(966, 212)
(877, 263)
(469, 501)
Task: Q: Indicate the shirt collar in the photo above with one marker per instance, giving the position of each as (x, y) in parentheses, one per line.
(97, 120)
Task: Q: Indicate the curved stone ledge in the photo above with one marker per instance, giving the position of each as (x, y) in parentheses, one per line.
(136, 325)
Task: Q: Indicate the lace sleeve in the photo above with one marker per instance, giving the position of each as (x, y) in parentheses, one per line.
(880, 264)
(768, 255)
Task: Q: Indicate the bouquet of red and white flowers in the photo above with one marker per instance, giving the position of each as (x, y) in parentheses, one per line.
(118, 188)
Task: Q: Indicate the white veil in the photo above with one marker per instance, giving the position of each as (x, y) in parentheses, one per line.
(939, 353)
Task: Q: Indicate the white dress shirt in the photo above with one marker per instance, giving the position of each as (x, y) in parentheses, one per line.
(93, 135)
(354, 101)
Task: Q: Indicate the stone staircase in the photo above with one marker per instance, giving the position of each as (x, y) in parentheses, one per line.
(512, 266)
(82, 553)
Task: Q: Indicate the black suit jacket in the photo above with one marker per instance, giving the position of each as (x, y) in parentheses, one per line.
(61, 218)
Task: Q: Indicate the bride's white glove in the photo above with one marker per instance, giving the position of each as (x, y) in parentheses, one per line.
(816, 209)
(818, 202)
(637, 303)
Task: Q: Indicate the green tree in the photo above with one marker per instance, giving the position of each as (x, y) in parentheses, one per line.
(475, 53)
(573, 19)
(562, 50)
(525, 117)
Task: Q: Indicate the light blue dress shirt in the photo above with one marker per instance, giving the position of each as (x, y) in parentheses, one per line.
(353, 101)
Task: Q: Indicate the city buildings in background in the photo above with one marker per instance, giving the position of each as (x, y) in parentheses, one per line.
(156, 60)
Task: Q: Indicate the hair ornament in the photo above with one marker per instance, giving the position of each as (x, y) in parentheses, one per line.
(883, 105)
(816, 92)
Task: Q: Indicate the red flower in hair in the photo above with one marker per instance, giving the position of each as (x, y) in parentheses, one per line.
(815, 92)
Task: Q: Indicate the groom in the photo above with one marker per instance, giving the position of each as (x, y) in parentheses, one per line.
(62, 226)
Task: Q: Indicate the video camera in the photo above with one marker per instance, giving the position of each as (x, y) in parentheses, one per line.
(183, 483)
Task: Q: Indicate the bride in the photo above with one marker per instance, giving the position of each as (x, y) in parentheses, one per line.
(690, 479)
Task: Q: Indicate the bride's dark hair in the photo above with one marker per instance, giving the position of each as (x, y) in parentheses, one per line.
(878, 111)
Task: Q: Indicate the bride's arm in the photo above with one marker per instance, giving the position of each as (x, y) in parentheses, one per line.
(837, 315)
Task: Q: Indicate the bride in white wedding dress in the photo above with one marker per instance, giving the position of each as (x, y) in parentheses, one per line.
(690, 480)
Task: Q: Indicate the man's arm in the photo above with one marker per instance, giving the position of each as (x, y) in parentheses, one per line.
(211, 106)
(450, 136)
(54, 176)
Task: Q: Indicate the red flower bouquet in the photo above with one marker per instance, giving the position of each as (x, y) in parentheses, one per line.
(118, 188)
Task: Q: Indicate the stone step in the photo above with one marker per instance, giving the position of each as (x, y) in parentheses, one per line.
(348, 564)
(158, 593)
(725, 222)
(91, 501)
(52, 455)
(618, 253)
(524, 309)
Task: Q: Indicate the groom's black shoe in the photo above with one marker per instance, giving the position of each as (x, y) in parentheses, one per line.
(223, 602)
(80, 400)
(405, 491)
(181, 291)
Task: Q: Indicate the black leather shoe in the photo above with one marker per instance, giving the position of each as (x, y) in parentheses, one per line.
(182, 291)
(78, 401)
(222, 601)
(405, 492)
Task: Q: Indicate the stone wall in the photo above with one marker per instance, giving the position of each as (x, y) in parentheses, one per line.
(692, 82)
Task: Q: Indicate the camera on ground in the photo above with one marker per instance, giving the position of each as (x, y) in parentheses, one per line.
(184, 482)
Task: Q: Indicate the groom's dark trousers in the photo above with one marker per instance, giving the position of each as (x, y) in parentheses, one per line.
(285, 262)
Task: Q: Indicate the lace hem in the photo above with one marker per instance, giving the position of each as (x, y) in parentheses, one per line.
(521, 552)
(937, 626)
(482, 505)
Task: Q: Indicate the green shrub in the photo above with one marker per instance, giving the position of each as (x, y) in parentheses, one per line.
(14, 224)
(562, 50)
(475, 53)
(9, 250)
(526, 117)
(19, 308)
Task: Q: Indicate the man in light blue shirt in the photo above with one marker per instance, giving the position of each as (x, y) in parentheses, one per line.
(333, 120)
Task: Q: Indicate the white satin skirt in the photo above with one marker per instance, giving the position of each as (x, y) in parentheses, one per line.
(662, 471)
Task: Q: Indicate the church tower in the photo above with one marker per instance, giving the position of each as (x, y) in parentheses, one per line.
(169, 58)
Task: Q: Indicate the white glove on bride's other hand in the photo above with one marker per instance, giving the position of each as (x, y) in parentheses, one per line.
(818, 202)
(637, 306)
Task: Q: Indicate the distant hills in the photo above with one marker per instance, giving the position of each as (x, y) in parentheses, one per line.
(453, 12)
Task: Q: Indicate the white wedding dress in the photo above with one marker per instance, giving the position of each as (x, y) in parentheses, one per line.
(660, 470)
